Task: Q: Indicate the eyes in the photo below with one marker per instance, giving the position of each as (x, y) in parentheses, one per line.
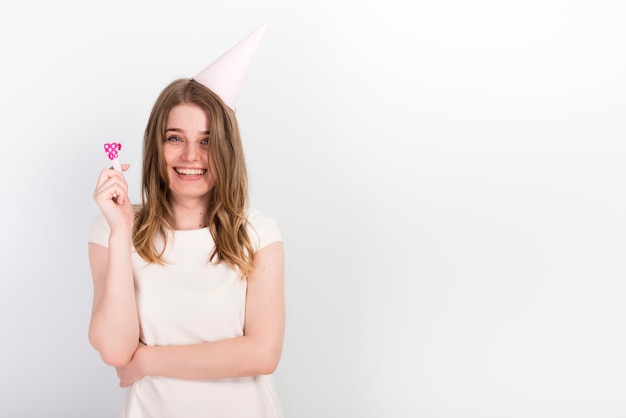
(177, 139)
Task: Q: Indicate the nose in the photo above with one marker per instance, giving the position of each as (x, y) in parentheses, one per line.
(191, 151)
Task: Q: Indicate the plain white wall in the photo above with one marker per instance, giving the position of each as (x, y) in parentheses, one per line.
(448, 176)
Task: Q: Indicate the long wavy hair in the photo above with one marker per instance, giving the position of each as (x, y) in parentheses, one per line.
(226, 211)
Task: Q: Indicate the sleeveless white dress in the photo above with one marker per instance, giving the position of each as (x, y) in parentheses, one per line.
(189, 301)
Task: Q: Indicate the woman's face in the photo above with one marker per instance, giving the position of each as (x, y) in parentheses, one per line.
(186, 153)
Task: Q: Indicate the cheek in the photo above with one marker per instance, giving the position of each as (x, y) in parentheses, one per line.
(209, 162)
(211, 168)
(169, 155)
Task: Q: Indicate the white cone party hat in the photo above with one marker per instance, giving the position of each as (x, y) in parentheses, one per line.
(226, 75)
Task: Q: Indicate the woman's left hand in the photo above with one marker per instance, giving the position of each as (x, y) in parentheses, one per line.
(133, 370)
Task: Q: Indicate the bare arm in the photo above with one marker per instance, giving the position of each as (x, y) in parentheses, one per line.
(255, 353)
(114, 325)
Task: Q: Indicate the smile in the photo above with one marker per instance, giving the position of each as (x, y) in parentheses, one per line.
(190, 171)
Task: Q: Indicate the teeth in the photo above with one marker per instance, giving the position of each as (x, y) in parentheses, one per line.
(190, 171)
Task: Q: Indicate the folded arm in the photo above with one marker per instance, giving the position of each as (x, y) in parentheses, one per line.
(255, 353)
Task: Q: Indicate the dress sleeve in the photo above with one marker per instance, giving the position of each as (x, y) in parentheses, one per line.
(262, 229)
(99, 231)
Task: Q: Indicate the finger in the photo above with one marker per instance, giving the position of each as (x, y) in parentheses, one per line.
(113, 190)
(107, 174)
(116, 183)
(124, 167)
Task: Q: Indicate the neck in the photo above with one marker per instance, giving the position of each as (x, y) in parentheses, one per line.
(190, 214)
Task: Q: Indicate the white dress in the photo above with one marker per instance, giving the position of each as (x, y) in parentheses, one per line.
(191, 301)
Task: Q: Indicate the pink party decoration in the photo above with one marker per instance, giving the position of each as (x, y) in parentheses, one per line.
(226, 75)
(111, 150)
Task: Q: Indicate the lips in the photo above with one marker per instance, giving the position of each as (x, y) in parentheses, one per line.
(190, 171)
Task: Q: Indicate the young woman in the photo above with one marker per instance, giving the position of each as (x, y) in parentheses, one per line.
(188, 287)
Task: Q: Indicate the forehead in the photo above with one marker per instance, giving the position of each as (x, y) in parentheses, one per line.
(188, 116)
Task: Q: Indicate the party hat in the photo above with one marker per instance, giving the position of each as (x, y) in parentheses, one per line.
(225, 76)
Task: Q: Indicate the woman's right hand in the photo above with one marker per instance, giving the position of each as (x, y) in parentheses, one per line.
(111, 196)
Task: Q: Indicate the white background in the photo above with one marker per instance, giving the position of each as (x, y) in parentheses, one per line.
(448, 176)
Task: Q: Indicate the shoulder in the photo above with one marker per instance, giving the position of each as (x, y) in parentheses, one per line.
(262, 229)
(99, 231)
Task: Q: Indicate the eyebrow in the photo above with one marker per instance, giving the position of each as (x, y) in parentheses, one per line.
(180, 130)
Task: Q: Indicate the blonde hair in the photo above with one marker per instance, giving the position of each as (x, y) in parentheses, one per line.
(226, 211)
